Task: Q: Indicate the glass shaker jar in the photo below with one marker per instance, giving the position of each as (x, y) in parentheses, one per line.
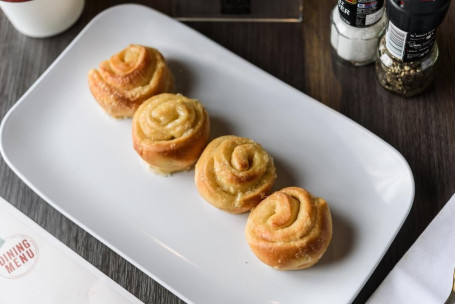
(405, 78)
(408, 52)
(356, 27)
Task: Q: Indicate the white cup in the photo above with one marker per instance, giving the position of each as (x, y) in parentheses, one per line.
(42, 18)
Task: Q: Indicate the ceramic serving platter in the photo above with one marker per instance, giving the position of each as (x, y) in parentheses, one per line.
(58, 140)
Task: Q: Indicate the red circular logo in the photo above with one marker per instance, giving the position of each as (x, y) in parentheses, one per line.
(18, 256)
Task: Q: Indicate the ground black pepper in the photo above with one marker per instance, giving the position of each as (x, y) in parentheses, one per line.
(408, 52)
(405, 78)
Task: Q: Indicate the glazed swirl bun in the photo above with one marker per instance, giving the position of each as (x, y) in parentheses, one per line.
(290, 229)
(234, 173)
(124, 81)
(170, 131)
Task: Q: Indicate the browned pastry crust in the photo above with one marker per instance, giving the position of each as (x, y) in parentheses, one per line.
(234, 173)
(170, 131)
(124, 81)
(290, 229)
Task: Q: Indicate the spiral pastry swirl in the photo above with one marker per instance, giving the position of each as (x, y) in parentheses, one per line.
(234, 173)
(290, 229)
(124, 81)
(170, 131)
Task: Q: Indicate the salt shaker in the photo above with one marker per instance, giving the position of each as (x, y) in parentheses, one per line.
(356, 26)
(408, 52)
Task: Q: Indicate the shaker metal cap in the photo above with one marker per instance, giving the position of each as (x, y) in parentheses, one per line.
(417, 16)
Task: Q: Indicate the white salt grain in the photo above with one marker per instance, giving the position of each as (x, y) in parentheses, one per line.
(358, 45)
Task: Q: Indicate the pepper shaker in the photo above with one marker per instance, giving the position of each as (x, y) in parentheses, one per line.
(356, 26)
(408, 52)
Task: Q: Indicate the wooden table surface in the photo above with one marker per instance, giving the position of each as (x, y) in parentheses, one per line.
(422, 128)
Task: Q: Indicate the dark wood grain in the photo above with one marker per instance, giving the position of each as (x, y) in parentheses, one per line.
(421, 128)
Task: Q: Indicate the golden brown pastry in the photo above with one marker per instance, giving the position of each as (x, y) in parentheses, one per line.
(234, 173)
(290, 229)
(124, 81)
(170, 131)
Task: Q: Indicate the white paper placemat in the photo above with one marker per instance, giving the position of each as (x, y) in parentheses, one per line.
(37, 268)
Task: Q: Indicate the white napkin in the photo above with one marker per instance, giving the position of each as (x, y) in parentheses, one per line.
(425, 273)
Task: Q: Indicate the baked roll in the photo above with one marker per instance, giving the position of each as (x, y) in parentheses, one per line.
(170, 131)
(124, 81)
(290, 229)
(234, 173)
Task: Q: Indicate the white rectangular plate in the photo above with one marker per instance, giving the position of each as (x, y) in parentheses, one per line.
(58, 140)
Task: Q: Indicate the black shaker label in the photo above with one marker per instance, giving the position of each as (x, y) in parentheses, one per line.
(419, 45)
(235, 7)
(361, 13)
(409, 46)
